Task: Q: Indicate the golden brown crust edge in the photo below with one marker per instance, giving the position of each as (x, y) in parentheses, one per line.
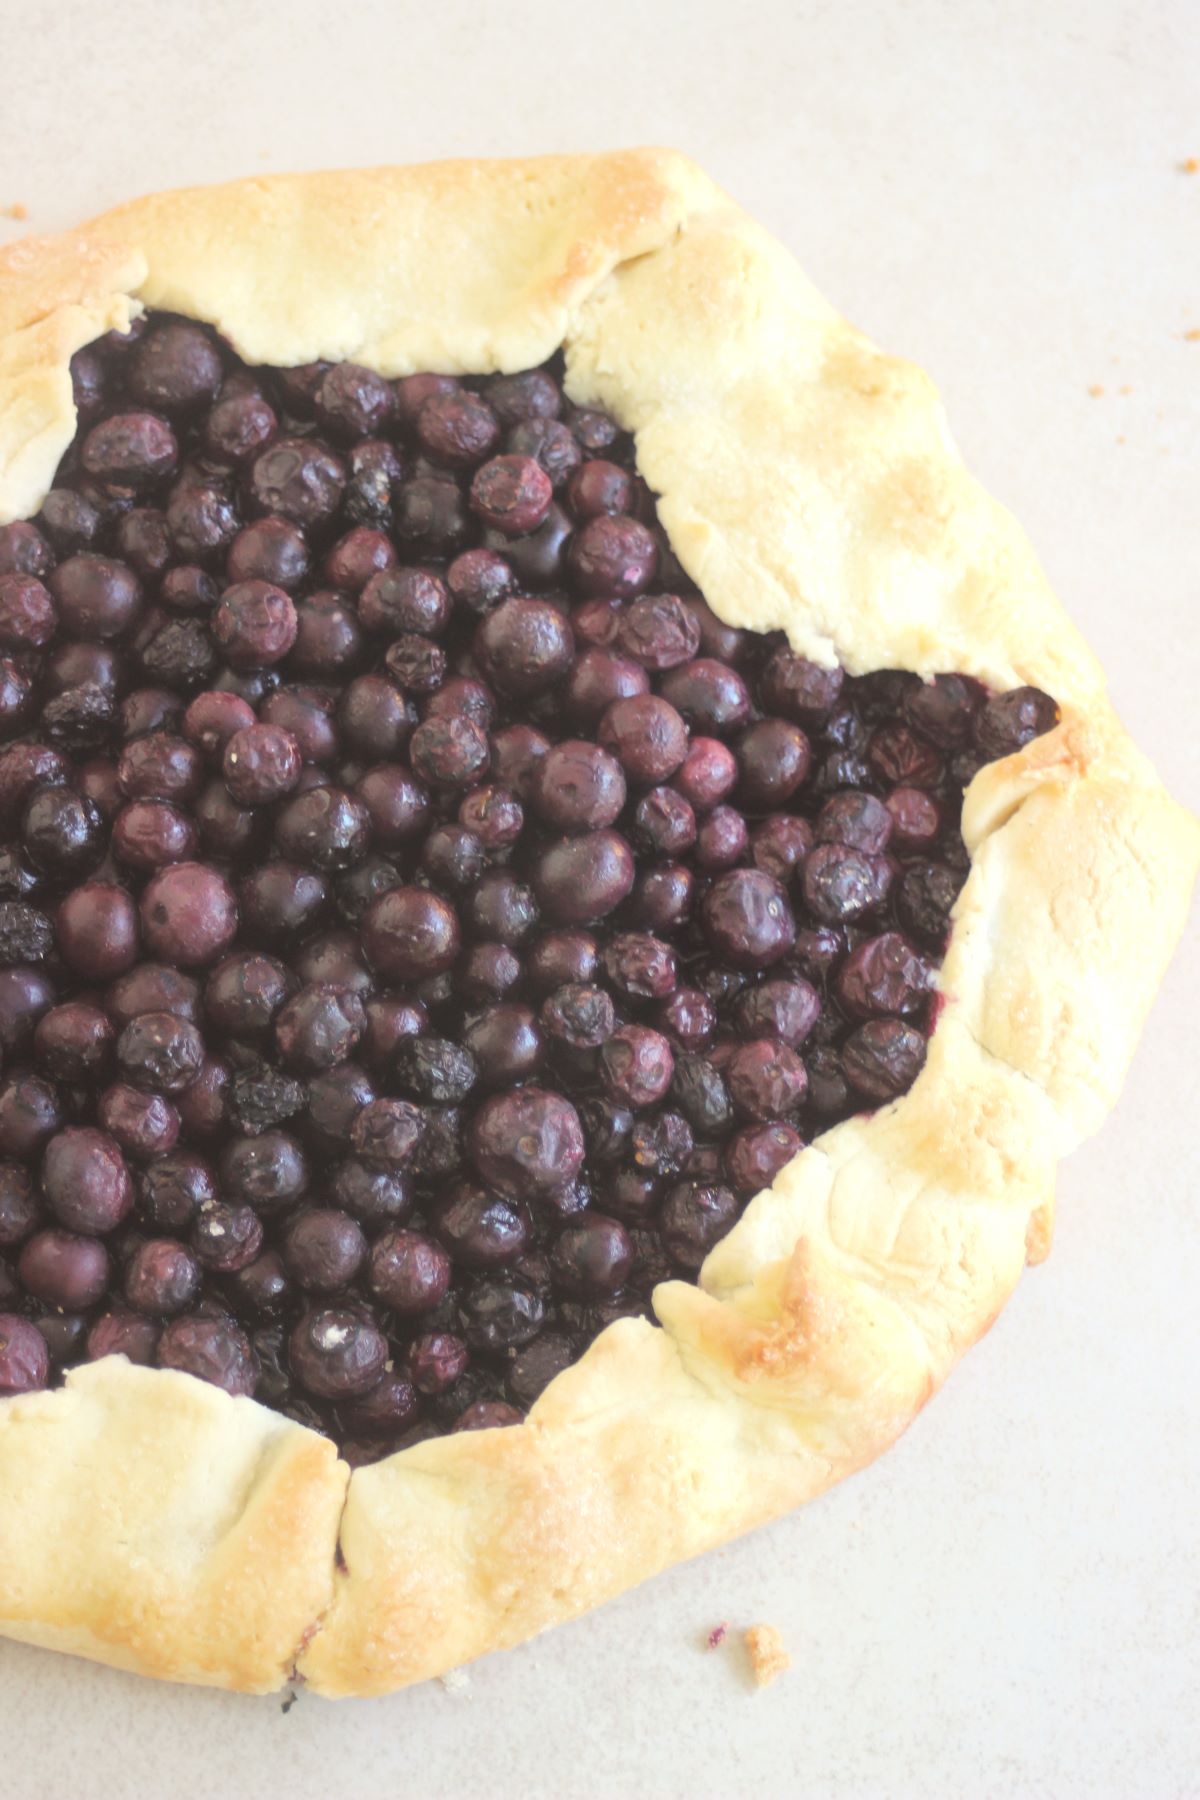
(847, 1292)
(152, 1522)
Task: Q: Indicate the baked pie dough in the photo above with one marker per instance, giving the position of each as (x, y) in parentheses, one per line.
(808, 484)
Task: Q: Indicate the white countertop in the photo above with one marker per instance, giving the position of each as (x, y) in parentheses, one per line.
(1007, 1605)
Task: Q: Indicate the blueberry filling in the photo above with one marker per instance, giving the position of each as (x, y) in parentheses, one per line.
(423, 924)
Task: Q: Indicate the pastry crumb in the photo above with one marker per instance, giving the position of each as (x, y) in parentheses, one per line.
(1096, 390)
(1125, 390)
(16, 210)
(1192, 336)
(1189, 165)
(455, 1681)
(716, 1636)
(768, 1658)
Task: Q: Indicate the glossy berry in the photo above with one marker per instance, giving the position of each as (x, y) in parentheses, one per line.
(375, 1197)
(408, 1272)
(85, 1180)
(647, 736)
(582, 879)
(144, 1125)
(597, 487)
(639, 966)
(767, 1080)
(162, 1278)
(152, 987)
(917, 819)
(323, 1249)
(773, 759)
(511, 494)
(580, 787)
(449, 751)
(337, 1354)
(410, 934)
(882, 1058)
(524, 646)
(499, 1314)
(121, 1332)
(172, 1190)
(695, 1216)
(637, 1065)
(27, 613)
(319, 1026)
(857, 819)
(324, 827)
(579, 1014)
(613, 554)
(299, 479)
(189, 914)
(783, 1007)
(353, 402)
(592, 1256)
(435, 1361)
(96, 596)
(214, 1350)
(62, 832)
(754, 1156)
(64, 1270)
(261, 764)
(160, 1052)
(748, 919)
(457, 428)
(24, 1358)
(841, 883)
(254, 625)
(527, 1143)
(883, 975)
(384, 1409)
(479, 1228)
(148, 834)
(226, 1237)
(505, 1044)
(1007, 722)
(896, 755)
(550, 443)
(268, 1172)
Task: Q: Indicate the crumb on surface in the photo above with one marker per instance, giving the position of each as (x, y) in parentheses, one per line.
(1096, 389)
(17, 210)
(455, 1681)
(1192, 336)
(1125, 390)
(768, 1658)
(717, 1635)
(1189, 165)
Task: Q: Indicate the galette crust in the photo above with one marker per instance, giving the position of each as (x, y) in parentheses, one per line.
(151, 1521)
(809, 483)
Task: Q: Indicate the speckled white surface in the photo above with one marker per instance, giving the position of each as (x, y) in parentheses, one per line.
(1009, 1604)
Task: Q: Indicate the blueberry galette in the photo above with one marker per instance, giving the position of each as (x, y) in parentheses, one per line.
(564, 883)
